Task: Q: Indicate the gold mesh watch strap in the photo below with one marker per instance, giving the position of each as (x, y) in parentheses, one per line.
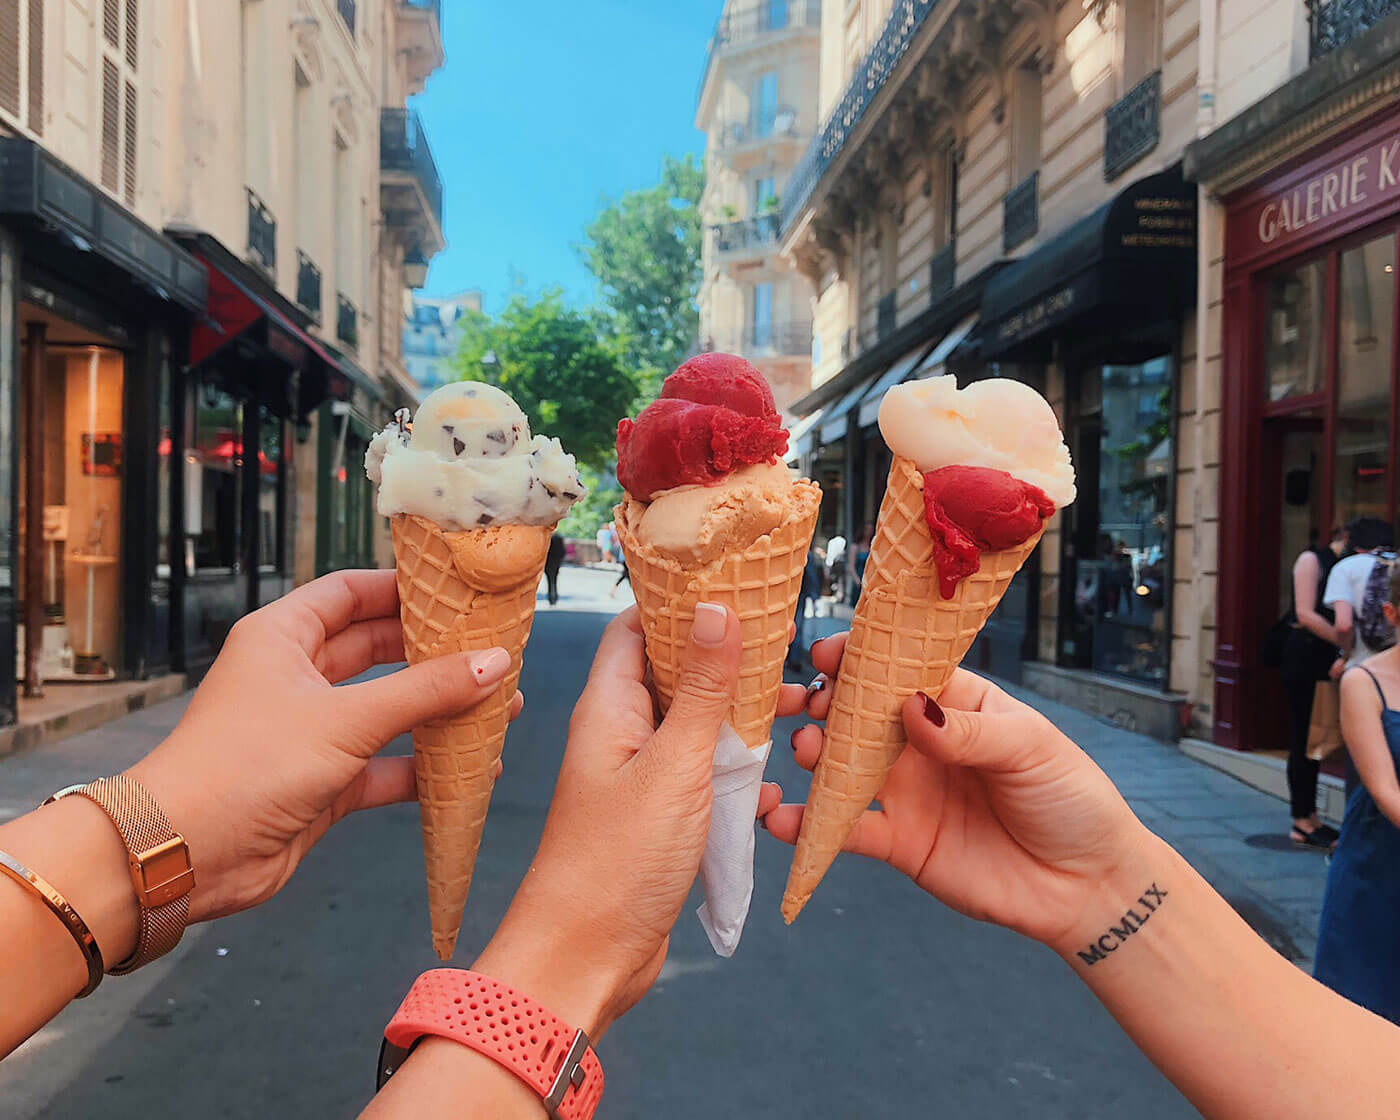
(160, 865)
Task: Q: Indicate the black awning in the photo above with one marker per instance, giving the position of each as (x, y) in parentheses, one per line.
(1134, 256)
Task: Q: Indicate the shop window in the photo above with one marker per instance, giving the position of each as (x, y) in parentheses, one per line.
(1365, 345)
(213, 481)
(1293, 346)
(1121, 529)
(270, 523)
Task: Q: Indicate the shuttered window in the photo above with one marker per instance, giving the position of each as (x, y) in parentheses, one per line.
(22, 62)
(111, 123)
(120, 97)
(131, 32)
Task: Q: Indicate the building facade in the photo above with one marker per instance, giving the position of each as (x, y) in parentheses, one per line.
(1299, 167)
(202, 217)
(432, 333)
(996, 190)
(758, 110)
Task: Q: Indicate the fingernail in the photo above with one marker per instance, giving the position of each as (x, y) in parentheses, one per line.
(489, 665)
(711, 621)
(932, 712)
(818, 683)
(792, 739)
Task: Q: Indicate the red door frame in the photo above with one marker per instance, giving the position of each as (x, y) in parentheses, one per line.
(1243, 614)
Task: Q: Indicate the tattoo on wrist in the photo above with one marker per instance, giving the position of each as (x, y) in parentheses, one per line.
(1118, 933)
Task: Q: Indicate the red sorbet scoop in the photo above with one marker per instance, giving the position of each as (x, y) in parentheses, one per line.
(715, 414)
(972, 510)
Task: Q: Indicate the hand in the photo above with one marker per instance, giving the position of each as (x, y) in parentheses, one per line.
(588, 929)
(1338, 668)
(269, 755)
(989, 808)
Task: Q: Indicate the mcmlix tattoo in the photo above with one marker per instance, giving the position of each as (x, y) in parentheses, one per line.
(1129, 924)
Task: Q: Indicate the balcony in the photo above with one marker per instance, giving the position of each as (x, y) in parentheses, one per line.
(410, 189)
(885, 316)
(420, 39)
(347, 321)
(1020, 212)
(346, 8)
(262, 232)
(745, 142)
(1132, 126)
(746, 234)
(1334, 22)
(762, 21)
(308, 286)
(905, 20)
(761, 340)
(940, 272)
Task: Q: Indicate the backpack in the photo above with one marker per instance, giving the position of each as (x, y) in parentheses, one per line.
(1371, 624)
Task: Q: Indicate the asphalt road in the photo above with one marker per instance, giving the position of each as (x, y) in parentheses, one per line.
(879, 1002)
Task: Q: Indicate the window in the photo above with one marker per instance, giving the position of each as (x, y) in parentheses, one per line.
(306, 167)
(271, 541)
(943, 197)
(761, 315)
(256, 115)
(22, 62)
(775, 14)
(889, 251)
(1293, 331)
(765, 103)
(765, 198)
(346, 236)
(1025, 122)
(214, 479)
(1365, 346)
(120, 54)
(1140, 37)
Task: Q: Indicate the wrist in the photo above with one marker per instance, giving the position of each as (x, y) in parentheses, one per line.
(1125, 899)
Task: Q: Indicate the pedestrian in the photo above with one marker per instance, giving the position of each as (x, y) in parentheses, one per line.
(1361, 907)
(1308, 651)
(836, 564)
(604, 542)
(858, 556)
(553, 559)
(809, 592)
(624, 577)
(1369, 538)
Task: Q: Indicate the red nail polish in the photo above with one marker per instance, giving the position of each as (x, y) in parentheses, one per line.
(792, 739)
(932, 712)
(818, 683)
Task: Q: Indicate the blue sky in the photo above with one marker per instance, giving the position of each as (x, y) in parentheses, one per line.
(544, 108)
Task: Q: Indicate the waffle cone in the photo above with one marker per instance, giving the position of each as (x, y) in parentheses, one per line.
(760, 584)
(461, 591)
(905, 638)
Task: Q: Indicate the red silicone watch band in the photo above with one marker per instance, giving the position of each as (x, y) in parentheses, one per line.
(505, 1025)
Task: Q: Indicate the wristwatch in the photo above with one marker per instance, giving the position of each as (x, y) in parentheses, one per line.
(505, 1025)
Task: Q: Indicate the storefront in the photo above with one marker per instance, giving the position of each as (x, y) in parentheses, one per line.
(1094, 319)
(1309, 423)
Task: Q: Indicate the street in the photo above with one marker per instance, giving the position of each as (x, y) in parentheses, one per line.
(878, 1002)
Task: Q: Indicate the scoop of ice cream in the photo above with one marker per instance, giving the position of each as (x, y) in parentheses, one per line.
(468, 461)
(999, 423)
(695, 524)
(715, 415)
(972, 510)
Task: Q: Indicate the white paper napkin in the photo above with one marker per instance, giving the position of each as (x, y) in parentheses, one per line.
(726, 868)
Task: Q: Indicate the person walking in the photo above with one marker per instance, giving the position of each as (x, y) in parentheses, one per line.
(836, 565)
(1369, 539)
(552, 561)
(809, 593)
(1361, 907)
(858, 555)
(1309, 649)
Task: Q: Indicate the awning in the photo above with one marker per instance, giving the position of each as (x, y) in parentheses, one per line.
(1134, 257)
(799, 441)
(833, 417)
(929, 365)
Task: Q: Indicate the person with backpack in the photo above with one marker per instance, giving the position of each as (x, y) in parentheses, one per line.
(1358, 625)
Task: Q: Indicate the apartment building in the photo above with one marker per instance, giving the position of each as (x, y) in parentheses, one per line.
(1299, 165)
(996, 190)
(204, 211)
(432, 333)
(758, 110)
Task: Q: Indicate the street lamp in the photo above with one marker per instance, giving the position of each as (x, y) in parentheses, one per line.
(415, 268)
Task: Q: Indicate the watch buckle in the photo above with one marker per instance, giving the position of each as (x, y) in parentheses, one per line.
(162, 873)
(571, 1075)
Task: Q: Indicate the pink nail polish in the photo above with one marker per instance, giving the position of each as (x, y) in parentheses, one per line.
(489, 666)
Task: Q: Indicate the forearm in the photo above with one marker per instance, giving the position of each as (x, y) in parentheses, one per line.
(1315, 624)
(74, 846)
(1217, 1010)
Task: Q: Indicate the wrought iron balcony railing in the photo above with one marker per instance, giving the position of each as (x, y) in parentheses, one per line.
(262, 232)
(940, 272)
(1132, 126)
(885, 316)
(403, 146)
(781, 123)
(1334, 22)
(346, 8)
(1020, 212)
(743, 25)
(309, 285)
(762, 340)
(347, 321)
(747, 233)
(906, 17)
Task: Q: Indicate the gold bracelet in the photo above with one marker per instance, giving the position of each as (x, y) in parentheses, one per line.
(87, 944)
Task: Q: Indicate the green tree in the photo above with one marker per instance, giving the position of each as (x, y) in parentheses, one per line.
(644, 251)
(561, 367)
(596, 509)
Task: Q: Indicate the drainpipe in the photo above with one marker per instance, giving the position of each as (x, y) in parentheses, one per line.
(1208, 41)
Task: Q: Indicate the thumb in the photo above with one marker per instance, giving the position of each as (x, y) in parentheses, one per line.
(390, 705)
(704, 693)
(994, 741)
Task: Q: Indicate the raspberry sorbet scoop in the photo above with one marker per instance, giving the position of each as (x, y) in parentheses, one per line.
(971, 510)
(715, 415)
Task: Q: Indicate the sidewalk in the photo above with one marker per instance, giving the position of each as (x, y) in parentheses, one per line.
(1233, 834)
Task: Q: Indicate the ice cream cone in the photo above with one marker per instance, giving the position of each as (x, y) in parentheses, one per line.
(459, 591)
(905, 637)
(760, 584)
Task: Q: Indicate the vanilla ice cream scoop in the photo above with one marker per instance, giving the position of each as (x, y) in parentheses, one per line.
(467, 461)
(998, 423)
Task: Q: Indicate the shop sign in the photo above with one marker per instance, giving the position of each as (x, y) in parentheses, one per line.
(1046, 311)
